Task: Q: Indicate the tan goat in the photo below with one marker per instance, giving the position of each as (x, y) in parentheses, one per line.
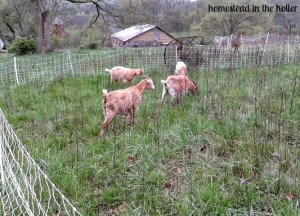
(123, 73)
(181, 68)
(123, 101)
(177, 86)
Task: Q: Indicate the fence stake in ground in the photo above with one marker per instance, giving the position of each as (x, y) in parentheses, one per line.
(69, 57)
(16, 70)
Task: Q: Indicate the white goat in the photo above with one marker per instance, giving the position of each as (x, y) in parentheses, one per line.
(181, 68)
(123, 73)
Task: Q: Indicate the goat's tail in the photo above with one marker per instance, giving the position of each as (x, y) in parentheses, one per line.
(107, 70)
(164, 83)
(104, 91)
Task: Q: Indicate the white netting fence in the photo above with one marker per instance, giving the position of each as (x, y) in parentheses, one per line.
(265, 50)
(25, 189)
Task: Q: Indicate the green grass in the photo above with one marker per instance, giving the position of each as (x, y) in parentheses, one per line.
(194, 158)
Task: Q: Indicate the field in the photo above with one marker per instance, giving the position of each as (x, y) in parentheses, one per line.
(232, 149)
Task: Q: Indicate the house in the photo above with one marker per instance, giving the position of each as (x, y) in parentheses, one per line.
(145, 35)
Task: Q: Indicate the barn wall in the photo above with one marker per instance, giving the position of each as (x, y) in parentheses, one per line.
(116, 43)
(154, 37)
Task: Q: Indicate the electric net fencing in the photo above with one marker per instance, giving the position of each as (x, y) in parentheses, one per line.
(25, 188)
(44, 69)
(262, 51)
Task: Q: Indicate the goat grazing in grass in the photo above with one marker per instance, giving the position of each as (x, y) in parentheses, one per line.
(177, 86)
(181, 68)
(123, 101)
(123, 73)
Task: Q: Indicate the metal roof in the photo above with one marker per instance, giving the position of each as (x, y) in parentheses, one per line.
(132, 32)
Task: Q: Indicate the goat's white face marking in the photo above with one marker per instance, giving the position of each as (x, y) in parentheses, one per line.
(151, 84)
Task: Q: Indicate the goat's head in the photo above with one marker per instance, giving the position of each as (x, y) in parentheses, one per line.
(149, 83)
(193, 88)
(141, 72)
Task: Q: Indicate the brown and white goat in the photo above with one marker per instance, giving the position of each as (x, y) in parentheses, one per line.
(123, 101)
(181, 68)
(123, 73)
(177, 86)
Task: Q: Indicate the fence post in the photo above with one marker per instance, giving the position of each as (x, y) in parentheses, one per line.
(69, 56)
(266, 42)
(16, 70)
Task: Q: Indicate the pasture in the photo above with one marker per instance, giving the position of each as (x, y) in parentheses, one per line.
(232, 149)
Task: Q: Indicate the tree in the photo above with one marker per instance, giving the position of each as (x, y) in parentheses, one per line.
(227, 23)
(45, 12)
(12, 22)
(287, 20)
(132, 12)
(171, 15)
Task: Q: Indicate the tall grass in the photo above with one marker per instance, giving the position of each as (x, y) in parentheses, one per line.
(233, 149)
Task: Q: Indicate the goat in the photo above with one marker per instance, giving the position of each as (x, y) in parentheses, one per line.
(123, 73)
(123, 101)
(177, 86)
(180, 68)
(236, 42)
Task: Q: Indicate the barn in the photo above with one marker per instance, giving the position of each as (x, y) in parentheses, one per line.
(144, 35)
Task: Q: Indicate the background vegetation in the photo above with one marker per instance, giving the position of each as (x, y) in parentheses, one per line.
(94, 21)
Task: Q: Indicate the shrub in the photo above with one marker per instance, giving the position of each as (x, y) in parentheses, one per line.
(56, 42)
(23, 46)
(93, 45)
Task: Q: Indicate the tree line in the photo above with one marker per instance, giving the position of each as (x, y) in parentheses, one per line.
(33, 18)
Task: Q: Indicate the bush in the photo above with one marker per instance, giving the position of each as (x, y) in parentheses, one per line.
(23, 46)
(56, 42)
(93, 45)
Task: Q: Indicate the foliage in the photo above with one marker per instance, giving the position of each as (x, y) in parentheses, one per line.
(23, 46)
(56, 41)
(176, 15)
(230, 150)
(226, 23)
(93, 45)
(15, 19)
(287, 20)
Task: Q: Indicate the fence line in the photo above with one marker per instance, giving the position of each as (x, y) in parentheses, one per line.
(24, 187)
(46, 68)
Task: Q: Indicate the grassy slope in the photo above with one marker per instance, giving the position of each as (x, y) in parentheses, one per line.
(213, 154)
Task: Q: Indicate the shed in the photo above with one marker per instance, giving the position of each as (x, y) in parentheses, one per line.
(144, 35)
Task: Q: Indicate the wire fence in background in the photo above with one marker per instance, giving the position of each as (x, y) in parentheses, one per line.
(46, 68)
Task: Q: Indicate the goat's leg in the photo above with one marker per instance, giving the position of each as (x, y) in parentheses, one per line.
(173, 99)
(132, 113)
(105, 124)
(163, 97)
